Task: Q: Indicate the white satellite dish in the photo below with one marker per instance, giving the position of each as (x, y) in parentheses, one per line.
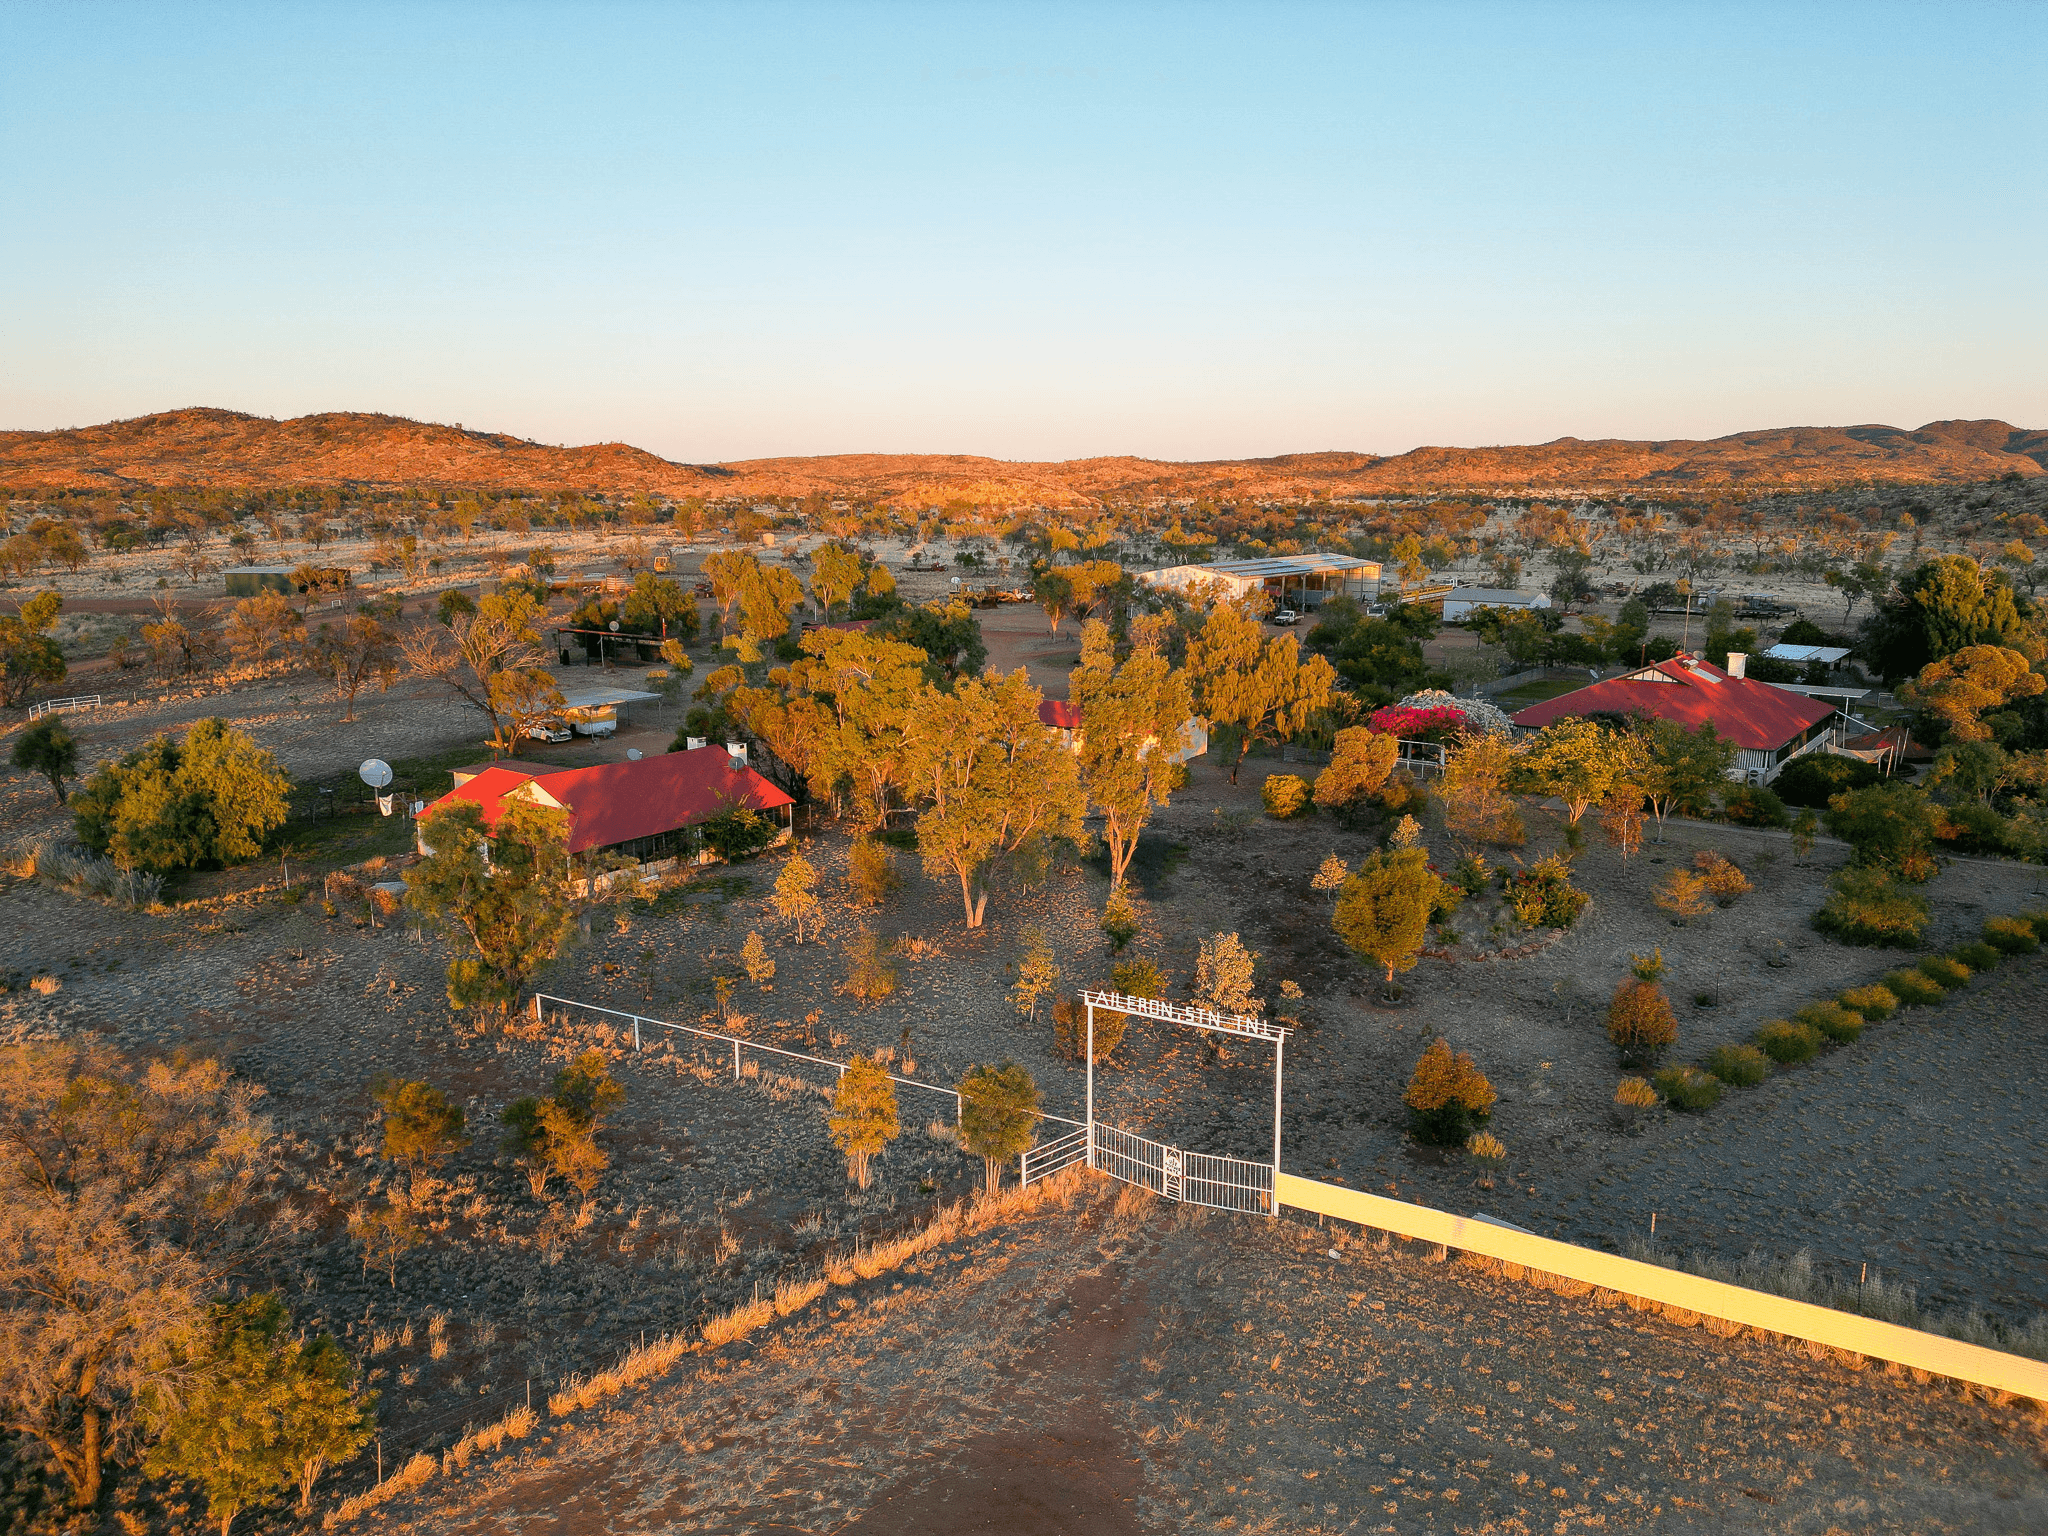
(632, 754)
(376, 773)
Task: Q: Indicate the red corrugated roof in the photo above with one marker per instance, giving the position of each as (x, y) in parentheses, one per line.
(618, 802)
(1751, 714)
(1061, 714)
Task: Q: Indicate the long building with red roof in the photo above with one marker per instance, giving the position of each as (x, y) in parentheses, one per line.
(642, 809)
(1769, 725)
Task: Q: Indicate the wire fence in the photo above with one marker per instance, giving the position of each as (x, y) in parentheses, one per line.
(739, 1052)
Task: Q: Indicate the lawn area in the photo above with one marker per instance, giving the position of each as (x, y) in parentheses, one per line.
(1536, 692)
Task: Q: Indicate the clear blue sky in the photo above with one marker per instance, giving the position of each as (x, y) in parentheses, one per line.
(1028, 230)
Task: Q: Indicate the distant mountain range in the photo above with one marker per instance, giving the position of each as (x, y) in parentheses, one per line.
(204, 447)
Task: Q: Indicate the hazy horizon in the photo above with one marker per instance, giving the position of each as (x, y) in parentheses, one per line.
(725, 233)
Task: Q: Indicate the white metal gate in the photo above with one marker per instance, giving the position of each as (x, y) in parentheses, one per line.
(1049, 1157)
(1197, 1178)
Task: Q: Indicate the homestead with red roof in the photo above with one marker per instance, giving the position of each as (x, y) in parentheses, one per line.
(643, 809)
(1769, 725)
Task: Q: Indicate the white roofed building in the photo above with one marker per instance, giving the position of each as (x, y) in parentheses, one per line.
(1300, 582)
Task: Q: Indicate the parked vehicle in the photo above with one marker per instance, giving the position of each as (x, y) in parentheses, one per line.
(1285, 616)
(549, 730)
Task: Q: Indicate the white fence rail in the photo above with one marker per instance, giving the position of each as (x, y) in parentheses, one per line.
(63, 706)
(738, 1048)
(1674, 1288)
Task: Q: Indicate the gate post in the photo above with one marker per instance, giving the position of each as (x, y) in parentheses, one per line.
(1088, 1007)
(1279, 1066)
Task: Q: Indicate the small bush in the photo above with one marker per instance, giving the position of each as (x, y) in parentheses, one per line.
(1751, 805)
(870, 872)
(1543, 895)
(1787, 1043)
(1684, 895)
(1739, 1066)
(1978, 955)
(1945, 970)
(1640, 1022)
(1724, 881)
(1866, 905)
(1286, 796)
(1448, 1098)
(1635, 1093)
(2038, 921)
(1839, 1024)
(2014, 935)
(1915, 989)
(1689, 1089)
(1873, 1002)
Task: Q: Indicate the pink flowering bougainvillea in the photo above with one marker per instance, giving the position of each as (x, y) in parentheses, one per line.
(1441, 725)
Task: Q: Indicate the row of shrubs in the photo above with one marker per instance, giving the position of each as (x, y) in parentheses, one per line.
(1838, 1021)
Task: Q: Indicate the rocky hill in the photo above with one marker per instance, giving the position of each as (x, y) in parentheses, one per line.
(203, 447)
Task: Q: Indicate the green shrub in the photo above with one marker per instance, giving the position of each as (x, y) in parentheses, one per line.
(1873, 1002)
(1787, 1043)
(1751, 805)
(1888, 825)
(1978, 955)
(1739, 1066)
(2014, 935)
(1286, 795)
(1866, 905)
(1915, 989)
(1839, 1024)
(1972, 828)
(1689, 1088)
(1945, 970)
(1811, 780)
(1543, 896)
(1448, 1097)
(2038, 921)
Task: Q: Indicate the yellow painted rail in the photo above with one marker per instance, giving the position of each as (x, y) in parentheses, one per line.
(1669, 1287)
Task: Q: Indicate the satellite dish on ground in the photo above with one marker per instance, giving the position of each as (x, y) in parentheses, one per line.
(376, 773)
(632, 754)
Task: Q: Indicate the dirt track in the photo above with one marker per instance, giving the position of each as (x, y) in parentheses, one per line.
(1124, 1368)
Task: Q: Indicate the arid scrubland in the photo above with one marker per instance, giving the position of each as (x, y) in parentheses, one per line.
(723, 1324)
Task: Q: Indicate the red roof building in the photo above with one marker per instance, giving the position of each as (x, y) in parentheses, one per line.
(1769, 725)
(641, 808)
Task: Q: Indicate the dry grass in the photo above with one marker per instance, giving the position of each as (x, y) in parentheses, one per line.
(652, 1359)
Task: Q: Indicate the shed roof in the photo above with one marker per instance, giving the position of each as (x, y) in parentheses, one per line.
(1756, 716)
(599, 698)
(618, 802)
(1827, 653)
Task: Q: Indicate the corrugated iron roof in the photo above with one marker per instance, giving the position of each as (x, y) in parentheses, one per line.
(1753, 715)
(618, 802)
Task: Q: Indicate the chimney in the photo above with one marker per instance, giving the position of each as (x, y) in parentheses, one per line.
(1738, 664)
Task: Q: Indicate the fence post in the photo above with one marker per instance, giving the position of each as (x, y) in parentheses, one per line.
(1279, 1064)
(735, 1061)
(1089, 1051)
(536, 1007)
(636, 1032)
